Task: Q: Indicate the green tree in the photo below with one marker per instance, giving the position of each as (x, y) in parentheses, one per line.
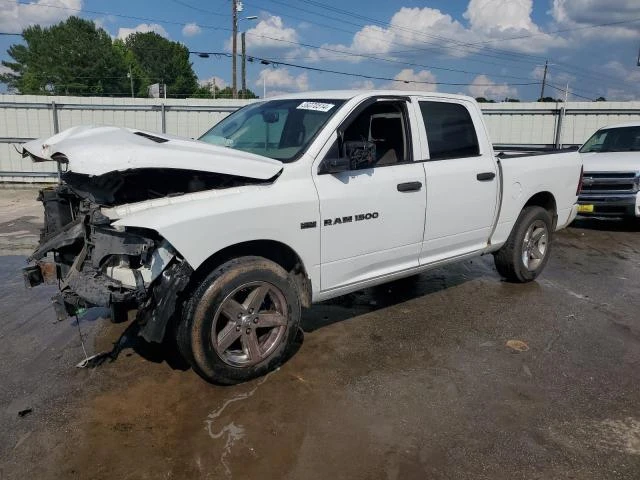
(549, 100)
(484, 100)
(162, 61)
(70, 58)
(600, 99)
(135, 75)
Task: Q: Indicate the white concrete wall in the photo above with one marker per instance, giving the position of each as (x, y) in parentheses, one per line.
(508, 123)
(21, 122)
(535, 123)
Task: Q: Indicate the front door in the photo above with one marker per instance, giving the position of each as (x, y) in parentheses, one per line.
(372, 216)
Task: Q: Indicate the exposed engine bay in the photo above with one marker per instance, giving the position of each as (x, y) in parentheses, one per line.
(97, 264)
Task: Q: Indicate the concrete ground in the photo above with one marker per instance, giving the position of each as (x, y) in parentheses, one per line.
(410, 380)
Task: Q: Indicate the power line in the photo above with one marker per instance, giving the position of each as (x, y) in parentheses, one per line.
(265, 61)
(562, 30)
(572, 92)
(201, 10)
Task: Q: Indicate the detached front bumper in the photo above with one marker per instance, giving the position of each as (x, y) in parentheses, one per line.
(96, 264)
(610, 205)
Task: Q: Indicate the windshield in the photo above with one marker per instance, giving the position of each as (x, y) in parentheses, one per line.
(278, 129)
(622, 139)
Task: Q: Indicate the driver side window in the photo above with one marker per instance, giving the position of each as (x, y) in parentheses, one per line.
(377, 137)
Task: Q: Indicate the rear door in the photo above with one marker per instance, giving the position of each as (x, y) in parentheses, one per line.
(372, 216)
(461, 175)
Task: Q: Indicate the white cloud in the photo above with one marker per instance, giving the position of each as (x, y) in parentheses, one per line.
(559, 78)
(619, 95)
(629, 75)
(617, 69)
(101, 22)
(219, 82)
(281, 79)
(123, 32)
(408, 28)
(483, 86)
(423, 29)
(269, 32)
(14, 17)
(407, 79)
(191, 30)
(499, 19)
(487, 15)
(576, 13)
(362, 85)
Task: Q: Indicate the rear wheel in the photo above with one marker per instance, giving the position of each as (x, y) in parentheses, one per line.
(241, 322)
(526, 252)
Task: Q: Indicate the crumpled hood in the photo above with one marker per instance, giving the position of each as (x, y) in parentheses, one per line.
(611, 161)
(99, 150)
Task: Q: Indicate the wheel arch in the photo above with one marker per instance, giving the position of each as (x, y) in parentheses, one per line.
(546, 200)
(273, 250)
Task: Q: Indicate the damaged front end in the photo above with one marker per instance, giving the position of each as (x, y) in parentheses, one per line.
(96, 264)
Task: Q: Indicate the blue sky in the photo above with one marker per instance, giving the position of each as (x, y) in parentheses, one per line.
(490, 48)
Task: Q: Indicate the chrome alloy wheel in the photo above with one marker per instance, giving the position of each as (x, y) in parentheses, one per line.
(535, 245)
(250, 324)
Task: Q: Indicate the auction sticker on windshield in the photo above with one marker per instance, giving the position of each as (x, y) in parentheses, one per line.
(316, 106)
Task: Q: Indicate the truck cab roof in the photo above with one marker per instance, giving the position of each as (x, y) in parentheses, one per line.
(349, 94)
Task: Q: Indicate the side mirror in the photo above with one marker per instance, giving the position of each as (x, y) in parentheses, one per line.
(361, 153)
(335, 165)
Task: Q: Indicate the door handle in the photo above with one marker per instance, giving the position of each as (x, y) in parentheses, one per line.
(486, 176)
(409, 186)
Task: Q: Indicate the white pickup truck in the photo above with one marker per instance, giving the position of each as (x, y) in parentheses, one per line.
(611, 184)
(220, 241)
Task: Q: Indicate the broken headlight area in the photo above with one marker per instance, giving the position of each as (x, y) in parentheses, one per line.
(131, 186)
(98, 265)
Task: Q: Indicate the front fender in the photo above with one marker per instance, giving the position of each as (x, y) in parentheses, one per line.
(200, 224)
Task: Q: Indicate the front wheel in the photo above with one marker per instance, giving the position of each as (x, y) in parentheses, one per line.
(241, 322)
(526, 252)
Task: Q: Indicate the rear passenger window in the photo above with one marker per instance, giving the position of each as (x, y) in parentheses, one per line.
(450, 130)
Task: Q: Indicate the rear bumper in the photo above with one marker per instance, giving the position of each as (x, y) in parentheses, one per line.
(611, 205)
(566, 216)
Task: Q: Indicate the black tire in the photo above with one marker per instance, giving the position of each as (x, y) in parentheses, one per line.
(509, 259)
(204, 306)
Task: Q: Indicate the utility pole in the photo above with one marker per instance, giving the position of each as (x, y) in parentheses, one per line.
(131, 78)
(244, 65)
(234, 43)
(544, 78)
